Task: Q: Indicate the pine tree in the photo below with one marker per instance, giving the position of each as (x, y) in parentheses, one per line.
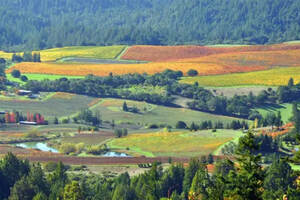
(291, 82)
(248, 181)
(200, 185)
(190, 171)
(278, 121)
(296, 118)
(125, 108)
(72, 192)
(279, 177)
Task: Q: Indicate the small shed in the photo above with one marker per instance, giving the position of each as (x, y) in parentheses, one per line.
(28, 123)
(24, 92)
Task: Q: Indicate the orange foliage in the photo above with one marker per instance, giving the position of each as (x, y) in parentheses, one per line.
(283, 130)
(168, 53)
(269, 59)
(206, 60)
(119, 69)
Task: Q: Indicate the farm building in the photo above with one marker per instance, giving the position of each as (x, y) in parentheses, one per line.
(24, 92)
(27, 123)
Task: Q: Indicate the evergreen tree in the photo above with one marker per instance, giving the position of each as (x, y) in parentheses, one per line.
(37, 179)
(291, 83)
(248, 182)
(22, 190)
(296, 118)
(72, 192)
(278, 121)
(125, 108)
(200, 184)
(12, 170)
(279, 177)
(190, 171)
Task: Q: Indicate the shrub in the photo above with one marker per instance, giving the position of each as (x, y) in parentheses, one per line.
(67, 148)
(65, 121)
(181, 125)
(2, 61)
(192, 72)
(33, 134)
(24, 78)
(16, 73)
(153, 126)
(97, 149)
(79, 147)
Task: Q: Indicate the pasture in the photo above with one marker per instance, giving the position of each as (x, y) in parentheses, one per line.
(111, 109)
(88, 139)
(272, 77)
(285, 109)
(40, 77)
(175, 144)
(58, 105)
(149, 89)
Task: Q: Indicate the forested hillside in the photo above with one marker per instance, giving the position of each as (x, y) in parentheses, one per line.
(35, 24)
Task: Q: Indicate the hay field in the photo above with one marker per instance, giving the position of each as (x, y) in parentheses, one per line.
(272, 77)
(177, 144)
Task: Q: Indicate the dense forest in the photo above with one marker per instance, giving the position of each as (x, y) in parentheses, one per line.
(35, 24)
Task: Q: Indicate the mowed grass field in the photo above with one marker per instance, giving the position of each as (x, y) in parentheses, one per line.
(58, 105)
(111, 109)
(285, 109)
(39, 77)
(272, 77)
(100, 52)
(175, 144)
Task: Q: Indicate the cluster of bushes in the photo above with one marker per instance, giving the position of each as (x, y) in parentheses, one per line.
(17, 74)
(126, 108)
(33, 134)
(71, 148)
(97, 149)
(156, 126)
(86, 116)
